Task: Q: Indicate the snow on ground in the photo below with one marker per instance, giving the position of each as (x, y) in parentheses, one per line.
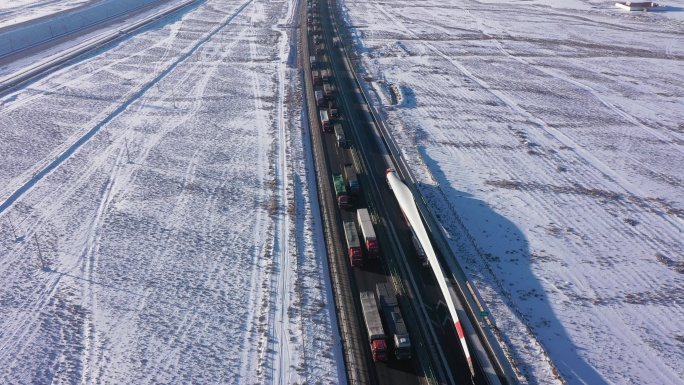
(165, 181)
(18, 11)
(550, 140)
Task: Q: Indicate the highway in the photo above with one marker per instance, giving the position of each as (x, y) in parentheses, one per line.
(437, 353)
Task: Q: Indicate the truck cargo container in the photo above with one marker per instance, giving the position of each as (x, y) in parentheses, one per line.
(352, 180)
(376, 333)
(353, 244)
(398, 334)
(369, 238)
(325, 121)
(340, 191)
(332, 106)
(339, 135)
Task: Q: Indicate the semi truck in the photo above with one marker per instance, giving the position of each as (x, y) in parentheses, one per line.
(353, 244)
(325, 121)
(376, 333)
(320, 100)
(316, 76)
(352, 180)
(332, 106)
(400, 339)
(369, 238)
(340, 191)
(326, 75)
(312, 61)
(339, 134)
(328, 90)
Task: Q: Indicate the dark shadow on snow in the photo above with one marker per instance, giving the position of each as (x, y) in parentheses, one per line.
(503, 256)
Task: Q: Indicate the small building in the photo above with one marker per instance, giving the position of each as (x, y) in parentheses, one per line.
(645, 6)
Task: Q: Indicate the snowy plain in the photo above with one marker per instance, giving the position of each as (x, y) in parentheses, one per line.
(13, 12)
(165, 183)
(548, 137)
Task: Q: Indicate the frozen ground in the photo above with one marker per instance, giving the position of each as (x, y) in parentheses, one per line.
(165, 183)
(550, 138)
(17, 11)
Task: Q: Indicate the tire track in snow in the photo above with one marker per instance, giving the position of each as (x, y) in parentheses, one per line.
(89, 135)
(259, 278)
(282, 349)
(55, 84)
(56, 199)
(88, 269)
(89, 262)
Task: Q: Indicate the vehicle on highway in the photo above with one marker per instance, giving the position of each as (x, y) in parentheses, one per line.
(376, 333)
(353, 244)
(352, 180)
(369, 238)
(320, 99)
(420, 253)
(326, 75)
(328, 90)
(339, 135)
(396, 327)
(325, 121)
(332, 107)
(340, 191)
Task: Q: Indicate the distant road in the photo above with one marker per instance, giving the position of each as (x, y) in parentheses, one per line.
(55, 61)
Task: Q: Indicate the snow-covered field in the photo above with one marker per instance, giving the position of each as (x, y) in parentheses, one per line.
(549, 137)
(166, 185)
(18, 11)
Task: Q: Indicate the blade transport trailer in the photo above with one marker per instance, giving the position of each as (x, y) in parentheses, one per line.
(410, 211)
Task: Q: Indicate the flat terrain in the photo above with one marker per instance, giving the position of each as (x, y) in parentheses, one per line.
(548, 138)
(164, 181)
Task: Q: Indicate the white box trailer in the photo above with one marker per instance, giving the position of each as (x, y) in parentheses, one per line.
(369, 238)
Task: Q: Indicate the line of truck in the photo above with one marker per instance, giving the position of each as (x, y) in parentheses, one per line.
(397, 332)
(347, 189)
